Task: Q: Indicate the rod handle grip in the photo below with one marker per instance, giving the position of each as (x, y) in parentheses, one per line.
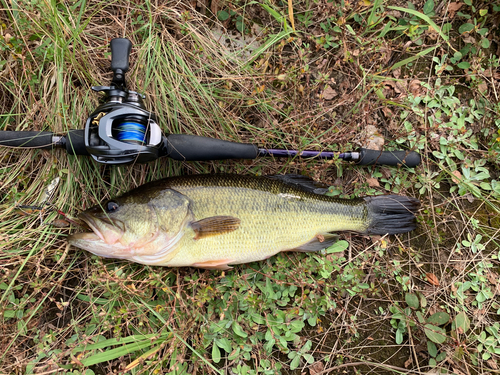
(75, 142)
(26, 139)
(186, 147)
(371, 157)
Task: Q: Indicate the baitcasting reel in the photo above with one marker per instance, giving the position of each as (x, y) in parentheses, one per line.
(121, 130)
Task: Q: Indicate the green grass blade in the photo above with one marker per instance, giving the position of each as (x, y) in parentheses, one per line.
(413, 58)
(109, 355)
(272, 40)
(423, 17)
(125, 340)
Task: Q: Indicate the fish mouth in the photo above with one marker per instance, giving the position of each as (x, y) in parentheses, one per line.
(106, 229)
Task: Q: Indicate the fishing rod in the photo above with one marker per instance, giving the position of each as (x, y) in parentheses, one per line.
(122, 131)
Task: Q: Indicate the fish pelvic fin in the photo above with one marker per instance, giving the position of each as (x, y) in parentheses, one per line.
(214, 226)
(319, 242)
(391, 214)
(218, 264)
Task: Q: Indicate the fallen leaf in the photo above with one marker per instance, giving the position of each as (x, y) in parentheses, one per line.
(329, 93)
(469, 39)
(372, 182)
(483, 87)
(458, 175)
(432, 279)
(290, 14)
(408, 362)
(453, 8)
(396, 73)
(316, 367)
(416, 88)
(493, 278)
(492, 363)
(386, 172)
(396, 86)
(214, 6)
(387, 112)
(390, 84)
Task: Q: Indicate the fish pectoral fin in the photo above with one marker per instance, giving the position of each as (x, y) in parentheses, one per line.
(218, 264)
(319, 242)
(214, 226)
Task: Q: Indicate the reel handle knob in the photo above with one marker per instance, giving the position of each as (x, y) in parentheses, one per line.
(120, 53)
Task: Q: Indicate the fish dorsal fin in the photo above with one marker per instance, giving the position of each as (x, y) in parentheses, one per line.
(214, 226)
(319, 242)
(303, 183)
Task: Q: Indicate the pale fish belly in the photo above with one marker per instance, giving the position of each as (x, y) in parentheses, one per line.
(270, 224)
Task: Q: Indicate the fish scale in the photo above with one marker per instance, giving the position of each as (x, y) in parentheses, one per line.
(270, 223)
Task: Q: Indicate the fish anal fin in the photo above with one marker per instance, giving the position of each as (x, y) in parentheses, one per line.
(214, 226)
(218, 264)
(319, 242)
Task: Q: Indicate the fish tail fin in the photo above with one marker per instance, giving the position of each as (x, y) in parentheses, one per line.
(391, 214)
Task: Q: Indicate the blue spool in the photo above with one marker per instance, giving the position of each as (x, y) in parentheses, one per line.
(131, 132)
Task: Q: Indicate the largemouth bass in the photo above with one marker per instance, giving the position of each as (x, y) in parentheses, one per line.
(214, 221)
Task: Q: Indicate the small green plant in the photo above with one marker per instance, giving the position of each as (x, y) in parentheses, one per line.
(450, 124)
(413, 317)
(489, 341)
(478, 283)
(296, 356)
(331, 37)
(233, 17)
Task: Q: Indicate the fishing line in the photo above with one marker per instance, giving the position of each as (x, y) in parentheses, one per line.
(131, 131)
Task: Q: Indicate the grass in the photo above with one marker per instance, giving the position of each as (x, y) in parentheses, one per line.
(425, 74)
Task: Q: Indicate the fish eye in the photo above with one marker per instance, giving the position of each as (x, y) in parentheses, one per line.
(112, 206)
